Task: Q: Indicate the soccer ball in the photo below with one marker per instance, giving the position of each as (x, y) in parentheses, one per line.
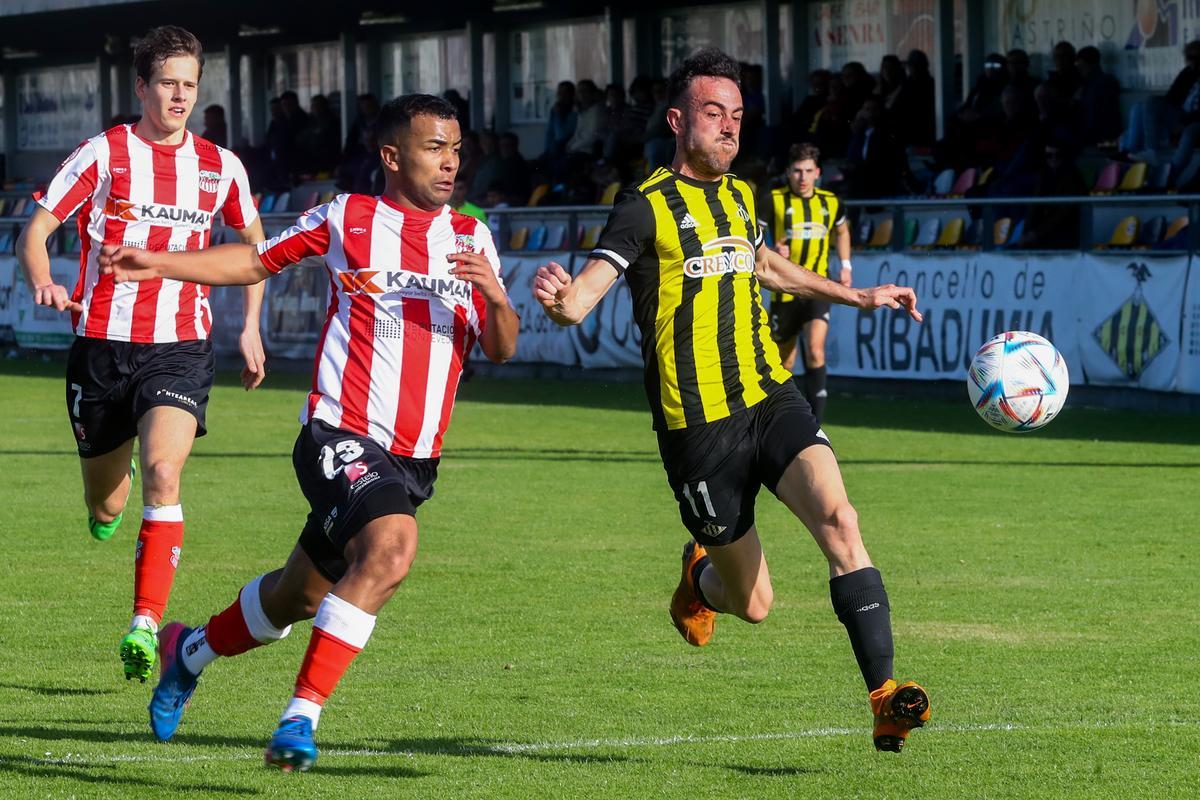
(1017, 381)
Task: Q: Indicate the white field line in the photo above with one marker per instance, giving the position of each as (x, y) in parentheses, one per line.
(519, 748)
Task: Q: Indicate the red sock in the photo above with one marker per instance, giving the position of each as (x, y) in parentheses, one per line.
(340, 631)
(157, 556)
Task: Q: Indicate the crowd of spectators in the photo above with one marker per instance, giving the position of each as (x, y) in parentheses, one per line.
(877, 132)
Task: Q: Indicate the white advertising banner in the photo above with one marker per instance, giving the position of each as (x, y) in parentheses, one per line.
(540, 340)
(608, 337)
(1189, 345)
(1130, 320)
(294, 309)
(41, 326)
(8, 296)
(966, 299)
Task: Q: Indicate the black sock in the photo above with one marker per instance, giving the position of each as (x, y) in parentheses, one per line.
(697, 571)
(861, 604)
(814, 390)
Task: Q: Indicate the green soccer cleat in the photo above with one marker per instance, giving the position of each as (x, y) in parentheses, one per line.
(103, 531)
(139, 653)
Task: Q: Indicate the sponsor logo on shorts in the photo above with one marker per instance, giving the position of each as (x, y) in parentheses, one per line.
(80, 431)
(182, 398)
(365, 480)
(329, 520)
(821, 434)
(712, 529)
(356, 470)
(722, 255)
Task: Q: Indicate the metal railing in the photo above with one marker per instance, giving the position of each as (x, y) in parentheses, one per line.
(505, 220)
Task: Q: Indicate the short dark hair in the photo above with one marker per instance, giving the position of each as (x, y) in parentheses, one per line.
(161, 43)
(396, 114)
(804, 151)
(707, 63)
(1088, 55)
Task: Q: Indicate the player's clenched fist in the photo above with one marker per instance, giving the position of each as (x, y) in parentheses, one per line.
(126, 263)
(476, 269)
(550, 280)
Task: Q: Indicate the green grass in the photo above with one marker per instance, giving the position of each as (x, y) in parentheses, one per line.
(1043, 589)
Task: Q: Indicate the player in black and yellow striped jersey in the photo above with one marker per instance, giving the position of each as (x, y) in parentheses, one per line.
(728, 416)
(804, 223)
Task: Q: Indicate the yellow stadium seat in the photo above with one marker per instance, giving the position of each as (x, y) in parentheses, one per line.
(609, 195)
(1125, 234)
(590, 237)
(1177, 225)
(881, 237)
(1001, 230)
(1134, 178)
(539, 193)
(951, 234)
(518, 239)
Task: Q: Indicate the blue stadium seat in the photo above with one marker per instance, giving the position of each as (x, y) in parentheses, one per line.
(537, 238)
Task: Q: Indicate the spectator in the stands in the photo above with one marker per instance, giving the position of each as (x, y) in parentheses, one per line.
(460, 203)
(832, 123)
(461, 107)
(561, 122)
(281, 147)
(319, 141)
(975, 127)
(659, 140)
(876, 165)
(516, 173)
(857, 86)
(1152, 121)
(913, 112)
(1065, 75)
(1018, 153)
(368, 111)
(615, 108)
(754, 112)
(803, 122)
(1056, 120)
(641, 106)
(487, 168)
(1055, 227)
(589, 131)
(1019, 76)
(1098, 99)
(215, 129)
(469, 155)
(891, 78)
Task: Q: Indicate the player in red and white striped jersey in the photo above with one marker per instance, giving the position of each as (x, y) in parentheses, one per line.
(141, 364)
(413, 284)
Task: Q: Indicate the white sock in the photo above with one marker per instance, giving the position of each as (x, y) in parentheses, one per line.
(143, 621)
(299, 707)
(197, 652)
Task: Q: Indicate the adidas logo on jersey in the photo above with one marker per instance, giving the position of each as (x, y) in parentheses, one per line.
(689, 222)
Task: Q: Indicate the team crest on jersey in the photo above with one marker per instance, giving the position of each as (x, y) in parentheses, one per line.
(722, 255)
(808, 230)
(743, 213)
(209, 181)
(464, 243)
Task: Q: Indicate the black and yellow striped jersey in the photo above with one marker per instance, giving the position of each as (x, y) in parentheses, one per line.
(806, 224)
(687, 248)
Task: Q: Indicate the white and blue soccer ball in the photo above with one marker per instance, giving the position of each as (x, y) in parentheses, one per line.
(1018, 381)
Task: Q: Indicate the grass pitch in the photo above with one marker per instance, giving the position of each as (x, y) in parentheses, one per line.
(1043, 589)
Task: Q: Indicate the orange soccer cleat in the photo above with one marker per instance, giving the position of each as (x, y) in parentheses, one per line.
(898, 709)
(694, 620)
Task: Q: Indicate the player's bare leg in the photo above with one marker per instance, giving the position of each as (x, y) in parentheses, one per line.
(738, 582)
(787, 354)
(166, 435)
(812, 488)
(815, 332)
(379, 557)
(107, 480)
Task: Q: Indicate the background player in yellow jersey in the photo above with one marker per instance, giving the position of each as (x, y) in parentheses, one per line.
(803, 222)
(728, 416)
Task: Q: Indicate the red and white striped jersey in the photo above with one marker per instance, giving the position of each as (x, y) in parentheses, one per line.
(398, 325)
(157, 197)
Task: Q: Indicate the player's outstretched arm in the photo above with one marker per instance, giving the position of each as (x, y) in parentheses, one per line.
(499, 339)
(35, 262)
(777, 273)
(568, 300)
(223, 265)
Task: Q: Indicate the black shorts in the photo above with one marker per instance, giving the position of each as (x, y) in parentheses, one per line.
(350, 480)
(110, 385)
(789, 317)
(716, 469)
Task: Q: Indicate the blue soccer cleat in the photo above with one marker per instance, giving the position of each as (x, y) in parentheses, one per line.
(176, 684)
(292, 746)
